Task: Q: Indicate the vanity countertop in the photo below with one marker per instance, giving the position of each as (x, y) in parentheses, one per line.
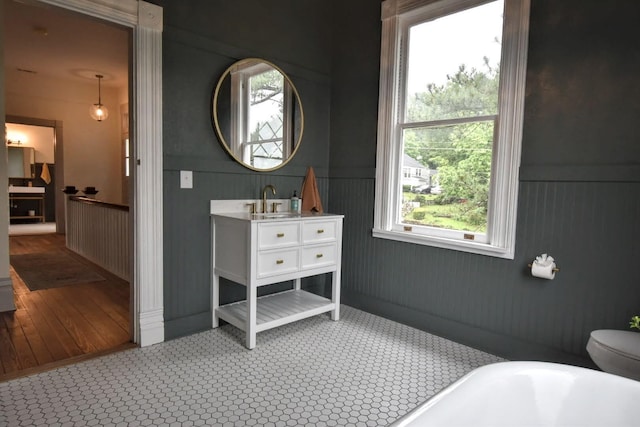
(238, 209)
(21, 189)
(278, 216)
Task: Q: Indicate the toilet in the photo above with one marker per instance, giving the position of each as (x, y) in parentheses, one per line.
(616, 352)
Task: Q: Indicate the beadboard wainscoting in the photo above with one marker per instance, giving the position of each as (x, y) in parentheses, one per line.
(100, 232)
(495, 304)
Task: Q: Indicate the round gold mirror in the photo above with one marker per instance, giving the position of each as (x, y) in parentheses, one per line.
(258, 115)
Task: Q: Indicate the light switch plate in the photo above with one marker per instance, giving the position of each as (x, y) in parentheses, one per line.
(186, 179)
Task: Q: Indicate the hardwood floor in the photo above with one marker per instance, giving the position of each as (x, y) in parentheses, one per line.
(57, 326)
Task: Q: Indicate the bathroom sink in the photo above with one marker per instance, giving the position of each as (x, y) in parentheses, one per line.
(277, 215)
(21, 189)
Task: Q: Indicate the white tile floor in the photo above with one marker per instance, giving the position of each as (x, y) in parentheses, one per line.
(360, 371)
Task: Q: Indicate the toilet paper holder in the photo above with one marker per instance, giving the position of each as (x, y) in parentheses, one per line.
(544, 267)
(555, 269)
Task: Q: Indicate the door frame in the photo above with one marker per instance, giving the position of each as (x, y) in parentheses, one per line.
(145, 20)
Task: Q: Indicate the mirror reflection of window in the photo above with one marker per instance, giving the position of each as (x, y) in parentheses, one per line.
(126, 157)
(21, 162)
(263, 135)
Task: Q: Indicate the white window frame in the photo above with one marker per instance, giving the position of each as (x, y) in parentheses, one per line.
(502, 210)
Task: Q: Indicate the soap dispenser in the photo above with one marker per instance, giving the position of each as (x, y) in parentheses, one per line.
(295, 202)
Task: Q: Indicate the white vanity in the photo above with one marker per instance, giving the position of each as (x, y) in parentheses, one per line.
(261, 249)
(20, 193)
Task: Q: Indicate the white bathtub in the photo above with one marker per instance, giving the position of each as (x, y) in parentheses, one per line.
(532, 394)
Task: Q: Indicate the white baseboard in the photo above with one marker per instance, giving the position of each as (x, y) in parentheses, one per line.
(151, 328)
(6, 295)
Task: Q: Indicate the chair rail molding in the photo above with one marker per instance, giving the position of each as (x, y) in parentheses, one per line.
(146, 21)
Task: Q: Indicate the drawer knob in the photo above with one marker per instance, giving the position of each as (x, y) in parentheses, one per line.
(320, 231)
(280, 234)
(279, 261)
(318, 255)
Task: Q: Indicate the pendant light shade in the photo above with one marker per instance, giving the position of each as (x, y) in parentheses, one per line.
(98, 111)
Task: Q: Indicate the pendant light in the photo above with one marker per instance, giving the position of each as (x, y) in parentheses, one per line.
(98, 111)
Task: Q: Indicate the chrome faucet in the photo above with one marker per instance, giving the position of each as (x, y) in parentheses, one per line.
(264, 196)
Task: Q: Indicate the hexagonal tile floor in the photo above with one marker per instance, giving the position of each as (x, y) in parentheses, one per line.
(360, 371)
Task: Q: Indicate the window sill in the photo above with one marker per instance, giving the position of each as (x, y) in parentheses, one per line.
(438, 242)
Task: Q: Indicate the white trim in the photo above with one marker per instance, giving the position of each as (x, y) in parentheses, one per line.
(124, 12)
(148, 195)
(501, 229)
(6, 294)
(387, 112)
(146, 21)
(441, 242)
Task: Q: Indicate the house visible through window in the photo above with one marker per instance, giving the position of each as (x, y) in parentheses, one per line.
(451, 102)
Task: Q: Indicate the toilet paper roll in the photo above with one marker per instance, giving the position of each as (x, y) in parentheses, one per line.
(543, 271)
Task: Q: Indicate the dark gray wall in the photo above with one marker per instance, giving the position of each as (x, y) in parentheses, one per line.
(579, 180)
(579, 192)
(201, 39)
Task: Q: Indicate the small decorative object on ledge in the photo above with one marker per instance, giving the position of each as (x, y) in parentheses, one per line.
(90, 191)
(70, 189)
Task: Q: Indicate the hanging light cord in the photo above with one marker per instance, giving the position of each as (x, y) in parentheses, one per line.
(99, 76)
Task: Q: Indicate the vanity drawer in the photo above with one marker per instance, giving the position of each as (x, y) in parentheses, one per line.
(278, 235)
(277, 262)
(318, 256)
(318, 231)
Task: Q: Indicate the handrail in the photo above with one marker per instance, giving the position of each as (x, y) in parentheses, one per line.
(89, 200)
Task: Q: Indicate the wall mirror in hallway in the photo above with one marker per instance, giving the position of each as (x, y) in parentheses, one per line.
(21, 162)
(257, 114)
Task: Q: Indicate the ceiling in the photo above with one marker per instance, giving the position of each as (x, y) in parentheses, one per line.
(57, 43)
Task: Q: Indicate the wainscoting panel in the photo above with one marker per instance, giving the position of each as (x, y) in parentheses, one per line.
(591, 229)
(100, 233)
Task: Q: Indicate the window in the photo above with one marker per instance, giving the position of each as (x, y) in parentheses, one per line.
(451, 101)
(126, 157)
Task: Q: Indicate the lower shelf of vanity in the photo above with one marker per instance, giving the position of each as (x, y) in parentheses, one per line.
(276, 309)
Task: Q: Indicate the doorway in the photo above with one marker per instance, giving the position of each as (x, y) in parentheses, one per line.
(145, 21)
(46, 139)
(69, 330)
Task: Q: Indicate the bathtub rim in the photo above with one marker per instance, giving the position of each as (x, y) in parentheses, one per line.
(513, 367)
